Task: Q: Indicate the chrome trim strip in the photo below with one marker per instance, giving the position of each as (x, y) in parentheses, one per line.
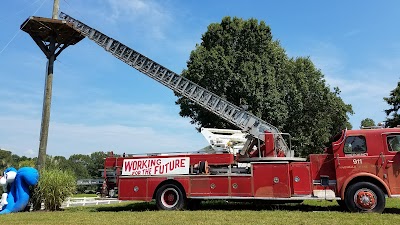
(318, 182)
(307, 197)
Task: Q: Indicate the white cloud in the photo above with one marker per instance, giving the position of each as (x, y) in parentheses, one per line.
(30, 153)
(22, 100)
(101, 126)
(138, 114)
(147, 14)
(362, 87)
(327, 57)
(21, 135)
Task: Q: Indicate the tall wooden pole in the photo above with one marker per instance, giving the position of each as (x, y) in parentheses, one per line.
(56, 6)
(44, 130)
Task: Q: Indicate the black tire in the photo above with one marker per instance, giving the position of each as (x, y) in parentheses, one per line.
(365, 197)
(170, 197)
(342, 204)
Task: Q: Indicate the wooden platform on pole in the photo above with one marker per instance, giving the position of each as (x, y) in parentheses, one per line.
(45, 30)
(52, 36)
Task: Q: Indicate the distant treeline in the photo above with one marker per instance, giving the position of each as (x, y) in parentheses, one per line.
(83, 166)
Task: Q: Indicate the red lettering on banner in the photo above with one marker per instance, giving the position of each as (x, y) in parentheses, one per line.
(156, 170)
(128, 166)
(134, 165)
(182, 162)
(176, 163)
(139, 165)
(154, 166)
(161, 169)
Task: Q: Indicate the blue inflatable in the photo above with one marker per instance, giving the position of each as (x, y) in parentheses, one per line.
(16, 188)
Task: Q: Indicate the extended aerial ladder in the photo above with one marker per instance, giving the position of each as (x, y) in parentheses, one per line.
(244, 120)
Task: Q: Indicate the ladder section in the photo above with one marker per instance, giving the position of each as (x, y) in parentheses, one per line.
(201, 96)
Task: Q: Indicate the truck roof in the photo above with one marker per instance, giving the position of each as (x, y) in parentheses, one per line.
(339, 138)
(374, 131)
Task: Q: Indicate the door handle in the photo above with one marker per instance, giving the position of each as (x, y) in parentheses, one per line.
(338, 162)
(389, 163)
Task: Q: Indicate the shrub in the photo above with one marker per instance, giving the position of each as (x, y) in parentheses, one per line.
(53, 189)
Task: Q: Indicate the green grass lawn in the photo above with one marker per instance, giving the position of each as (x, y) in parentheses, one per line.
(309, 212)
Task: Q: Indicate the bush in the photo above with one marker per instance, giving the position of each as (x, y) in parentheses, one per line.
(53, 189)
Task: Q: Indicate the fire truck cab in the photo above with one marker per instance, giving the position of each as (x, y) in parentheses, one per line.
(359, 169)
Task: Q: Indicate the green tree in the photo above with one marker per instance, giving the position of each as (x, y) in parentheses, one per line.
(239, 61)
(15, 158)
(96, 162)
(26, 163)
(62, 163)
(79, 164)
(6, 159)
(393, 117)
(367, 122)
(348, 125)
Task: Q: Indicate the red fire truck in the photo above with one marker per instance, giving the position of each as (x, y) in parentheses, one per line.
(359, 169)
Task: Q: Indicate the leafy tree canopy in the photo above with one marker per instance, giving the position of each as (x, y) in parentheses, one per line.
(6, 160)
(239, 61)
(80, 165)
(348, 125)
(367, 122)
(393, 117)
(96, 162)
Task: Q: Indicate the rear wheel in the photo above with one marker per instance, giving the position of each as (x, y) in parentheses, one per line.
(365, 197)
(170, 197)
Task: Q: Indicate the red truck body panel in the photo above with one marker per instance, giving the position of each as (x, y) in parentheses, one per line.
(271, 180)
(344, 162)
(300, 175)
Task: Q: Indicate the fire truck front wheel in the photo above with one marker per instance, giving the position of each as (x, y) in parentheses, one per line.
(170, 197)
(365, 197)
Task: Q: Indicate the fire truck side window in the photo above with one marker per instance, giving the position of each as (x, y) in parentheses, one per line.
(355, 144)
(394, 143)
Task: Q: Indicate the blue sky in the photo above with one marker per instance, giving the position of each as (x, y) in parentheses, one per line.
(101, 104)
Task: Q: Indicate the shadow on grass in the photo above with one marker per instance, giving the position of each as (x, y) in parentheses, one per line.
(227, 206)
(392, 211)
(134, 207)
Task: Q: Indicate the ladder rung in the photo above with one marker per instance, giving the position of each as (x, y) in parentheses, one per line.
(177, 83)
(186, 84)
(208, 99)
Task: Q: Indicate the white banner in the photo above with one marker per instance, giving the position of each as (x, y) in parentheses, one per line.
(156, 166)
